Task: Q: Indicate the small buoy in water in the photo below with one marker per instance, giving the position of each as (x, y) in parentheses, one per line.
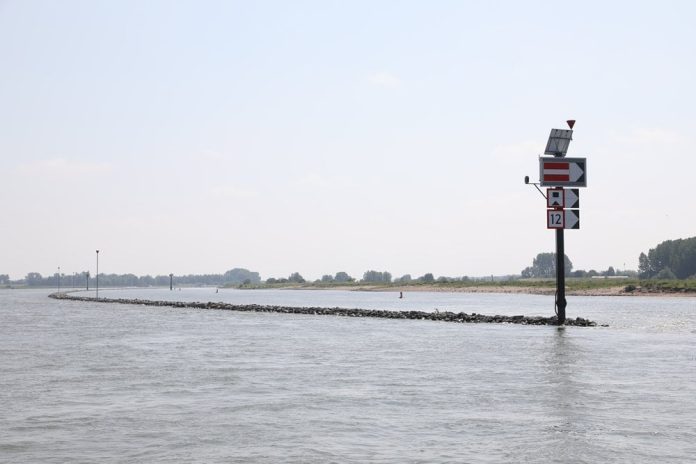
(401, 294)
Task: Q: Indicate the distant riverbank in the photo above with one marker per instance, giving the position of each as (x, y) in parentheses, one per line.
(574, 287)
(605, 291)
(577, 287)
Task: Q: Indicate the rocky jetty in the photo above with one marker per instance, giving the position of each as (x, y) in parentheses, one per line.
(444, 316)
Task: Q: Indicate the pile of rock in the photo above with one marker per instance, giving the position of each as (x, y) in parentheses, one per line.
(444, 316)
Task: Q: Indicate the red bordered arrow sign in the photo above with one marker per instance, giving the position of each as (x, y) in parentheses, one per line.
(563, 172)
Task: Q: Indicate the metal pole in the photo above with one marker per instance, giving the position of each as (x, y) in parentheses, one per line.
(87, 280)
(97, 274)
(560, 277)
(58, 279)
(171, 281)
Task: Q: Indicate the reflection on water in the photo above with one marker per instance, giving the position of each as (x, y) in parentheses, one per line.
(562, 358)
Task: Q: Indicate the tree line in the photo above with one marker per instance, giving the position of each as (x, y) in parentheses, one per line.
(544, 267)
(368, 277)
(85, 279)
(671, 259)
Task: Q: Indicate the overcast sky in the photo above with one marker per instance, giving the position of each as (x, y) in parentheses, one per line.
(325, 136)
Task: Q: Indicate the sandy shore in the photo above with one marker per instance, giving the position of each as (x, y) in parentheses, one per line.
(618, 290)
(490, 289)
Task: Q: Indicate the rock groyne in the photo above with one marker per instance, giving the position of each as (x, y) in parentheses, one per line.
(444, 316)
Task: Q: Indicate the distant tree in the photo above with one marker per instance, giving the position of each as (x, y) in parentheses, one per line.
(343, 277)
(239, 275)
(378, 277)
(645, 271)
(271, 280)
(4, 279)
(427, 278)
(610, 272)
(34, 278)
(677, 255)
(665, 274)
(544, 266)
(326, 278)
(404, 279)
(592, 273)
(295, 277)
(130, 280)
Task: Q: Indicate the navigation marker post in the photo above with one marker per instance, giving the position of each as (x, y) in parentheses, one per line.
(558, 172)
(97, 274)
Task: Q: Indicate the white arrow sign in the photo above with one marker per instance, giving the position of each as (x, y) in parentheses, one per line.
(559, 197)
(563, 172)
(576, 172)
(572, 219)
(571, 198)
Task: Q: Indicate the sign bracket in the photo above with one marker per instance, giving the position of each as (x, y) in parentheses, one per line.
(535, 184)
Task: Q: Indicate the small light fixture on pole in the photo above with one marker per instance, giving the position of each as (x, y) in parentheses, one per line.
(97, 274)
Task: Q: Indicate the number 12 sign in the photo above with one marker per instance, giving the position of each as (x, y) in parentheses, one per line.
(555, 219)
(562, 218)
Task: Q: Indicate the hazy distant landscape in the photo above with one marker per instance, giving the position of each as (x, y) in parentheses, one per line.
(669, 268)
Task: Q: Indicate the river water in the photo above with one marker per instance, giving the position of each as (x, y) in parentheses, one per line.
(108, 383)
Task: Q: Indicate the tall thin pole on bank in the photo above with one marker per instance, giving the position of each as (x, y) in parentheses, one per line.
(97, 274)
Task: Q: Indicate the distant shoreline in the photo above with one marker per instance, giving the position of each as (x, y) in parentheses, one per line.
(678, 289)
(614, 290)
(605, 291)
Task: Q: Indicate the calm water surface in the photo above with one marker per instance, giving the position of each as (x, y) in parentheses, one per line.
(88, 382)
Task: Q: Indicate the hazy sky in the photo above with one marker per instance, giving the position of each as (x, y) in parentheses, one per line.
(325, 136)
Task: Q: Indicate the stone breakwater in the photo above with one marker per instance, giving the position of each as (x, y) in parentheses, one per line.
(444, 316)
